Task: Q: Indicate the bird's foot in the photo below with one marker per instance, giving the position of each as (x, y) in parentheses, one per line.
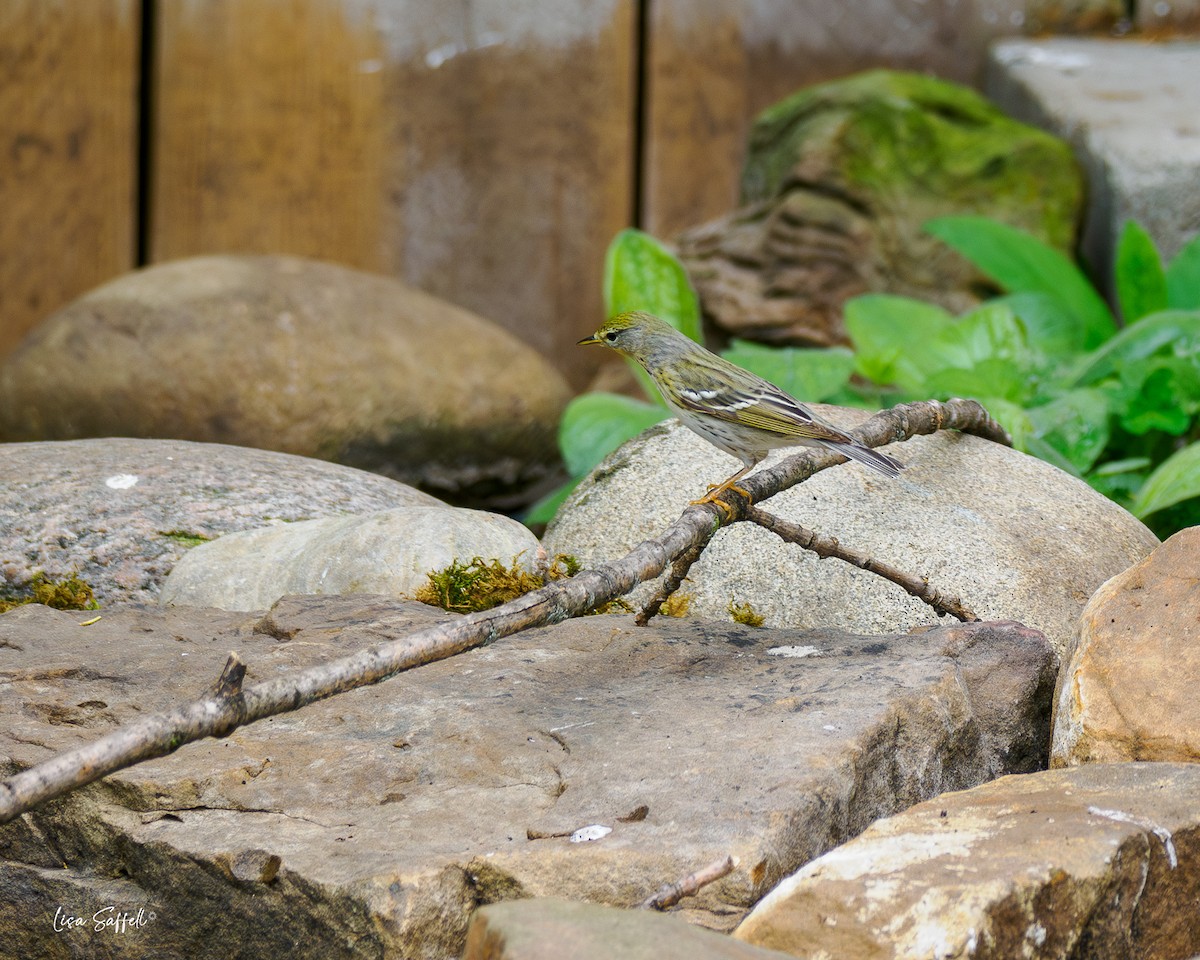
(713, 496)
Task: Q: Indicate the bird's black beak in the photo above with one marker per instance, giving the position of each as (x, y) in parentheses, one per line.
(588, 341)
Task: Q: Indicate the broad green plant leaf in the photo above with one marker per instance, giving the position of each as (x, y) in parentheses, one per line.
(1183, 277)
(1049, 325)
(1174, 480)
(806, 374)
(1141, 283)
(888, 333)
(1022, 263)
(1178, 330)
(984, 354)
(544, 509)
(1075, 425)
(595, 424)
(1160, 393)
(641, 274)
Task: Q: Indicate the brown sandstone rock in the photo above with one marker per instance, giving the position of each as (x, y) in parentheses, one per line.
(1102, 861)
(395, 810)
(294, 355)
(561, 929)
(1128, 687)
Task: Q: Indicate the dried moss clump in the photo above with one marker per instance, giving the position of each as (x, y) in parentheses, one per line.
(482, 584)
(70, 593)
(745, 614)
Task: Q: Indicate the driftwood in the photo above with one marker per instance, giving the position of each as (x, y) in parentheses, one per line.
(670, 894)
(229, 705)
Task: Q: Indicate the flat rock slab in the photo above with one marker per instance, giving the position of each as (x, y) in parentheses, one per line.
(373, 823)
(1101, 861)
(120, 512)
(559, 929)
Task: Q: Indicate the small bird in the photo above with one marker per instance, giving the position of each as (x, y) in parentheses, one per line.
(731, 408)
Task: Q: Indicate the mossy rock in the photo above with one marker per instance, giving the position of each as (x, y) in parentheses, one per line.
(839, 182)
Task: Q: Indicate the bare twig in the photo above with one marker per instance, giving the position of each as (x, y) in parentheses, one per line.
(825, 547)
(670, 894)
(674, 580)
(229, 705)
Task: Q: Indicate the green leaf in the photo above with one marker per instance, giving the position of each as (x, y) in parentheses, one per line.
(1141, 284)
(544, 509)
(641, 274)
(814, 375)
(885, 330)
(1160, 393)
(1183, 277)
(1049, 325)
(595, 424)
(1176, 479)
(1022, 263)
(1177, 329)
(1074, 424)
(984, 354)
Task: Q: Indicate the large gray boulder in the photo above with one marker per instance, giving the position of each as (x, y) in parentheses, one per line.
(1013, 537)
(299, 356)
(120, 513)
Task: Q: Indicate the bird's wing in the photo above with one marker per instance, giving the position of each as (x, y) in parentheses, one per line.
(727, 392)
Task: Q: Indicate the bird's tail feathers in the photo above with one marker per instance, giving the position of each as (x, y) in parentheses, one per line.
(881, 462)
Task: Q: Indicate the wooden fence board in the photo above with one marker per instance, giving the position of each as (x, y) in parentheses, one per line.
(68, 153)
(479, 149)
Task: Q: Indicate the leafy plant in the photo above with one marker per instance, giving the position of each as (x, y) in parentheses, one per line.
(641, 274)
(1118, 408)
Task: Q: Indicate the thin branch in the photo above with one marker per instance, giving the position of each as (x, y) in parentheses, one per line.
(670, 894)
(673, 581)
(826, 547)
(220, 711)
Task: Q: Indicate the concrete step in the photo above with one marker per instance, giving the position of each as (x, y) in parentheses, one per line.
(1131, 110)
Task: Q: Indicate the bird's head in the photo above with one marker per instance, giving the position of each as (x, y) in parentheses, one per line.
(638, 335)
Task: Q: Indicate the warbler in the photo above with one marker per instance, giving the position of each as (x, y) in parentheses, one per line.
(731, 408)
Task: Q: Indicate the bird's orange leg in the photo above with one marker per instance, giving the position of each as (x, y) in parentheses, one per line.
(715, 490)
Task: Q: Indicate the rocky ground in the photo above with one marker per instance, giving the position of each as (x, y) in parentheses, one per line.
(883, 788)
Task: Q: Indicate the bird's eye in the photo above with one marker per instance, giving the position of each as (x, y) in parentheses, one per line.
(611, 336)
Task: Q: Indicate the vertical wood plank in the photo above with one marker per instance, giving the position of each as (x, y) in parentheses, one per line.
(68, 136)
(480, 149)
(268, 131)
(514, 159)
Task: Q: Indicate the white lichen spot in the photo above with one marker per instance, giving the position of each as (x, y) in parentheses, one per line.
(1035, 933)
(792, 651)
(122, 481)
(1162, 833)
(593, 832)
